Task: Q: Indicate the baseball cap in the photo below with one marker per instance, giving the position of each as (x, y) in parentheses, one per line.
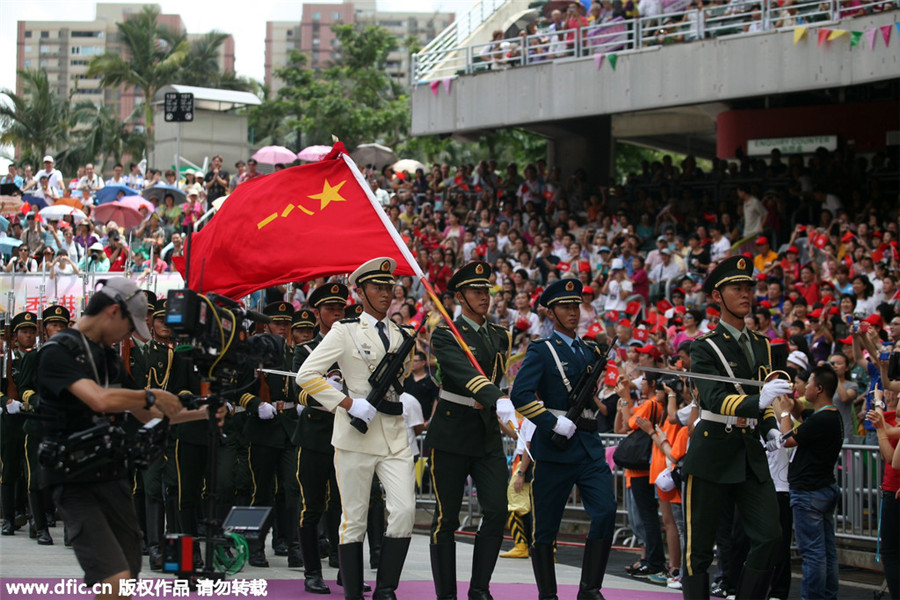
(762, 240)
(616, 264)
(132, 299)
(793, 250)
(799, 359)
(48, 158)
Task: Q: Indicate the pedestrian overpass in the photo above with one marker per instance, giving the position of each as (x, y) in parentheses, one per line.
(692, 81)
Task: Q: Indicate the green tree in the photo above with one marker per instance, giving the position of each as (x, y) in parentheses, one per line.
(40, 121)
(108, 137)
(149, 63)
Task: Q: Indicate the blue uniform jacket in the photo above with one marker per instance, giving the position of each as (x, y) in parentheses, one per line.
(539, 379)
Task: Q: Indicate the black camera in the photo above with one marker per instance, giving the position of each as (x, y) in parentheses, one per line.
(212, 328)
(674, 383)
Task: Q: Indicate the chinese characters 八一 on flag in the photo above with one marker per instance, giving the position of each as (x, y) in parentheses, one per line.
(297, 224)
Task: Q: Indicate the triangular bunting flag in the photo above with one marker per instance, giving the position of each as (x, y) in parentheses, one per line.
(447, 81)
(870, 38)
(598, 60)
(823, 35)
(613, 58)
(886, 34)
(836, 33)
(855, 36)
(799, 34)
(435, 86)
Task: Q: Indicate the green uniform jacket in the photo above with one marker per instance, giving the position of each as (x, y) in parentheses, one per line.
(25, 372)
(457, 428)
(314, 427)
(277, 432)
(715, 453)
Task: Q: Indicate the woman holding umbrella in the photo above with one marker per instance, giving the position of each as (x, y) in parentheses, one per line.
(170, 213)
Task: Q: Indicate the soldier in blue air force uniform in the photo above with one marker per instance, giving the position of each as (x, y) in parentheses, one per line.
(552, 366)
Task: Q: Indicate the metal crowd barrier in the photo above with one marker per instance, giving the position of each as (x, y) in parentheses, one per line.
(858, 473)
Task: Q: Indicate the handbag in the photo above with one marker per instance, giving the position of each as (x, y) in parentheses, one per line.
(634, 451)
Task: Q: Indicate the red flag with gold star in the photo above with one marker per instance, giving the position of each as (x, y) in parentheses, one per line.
(297, 224)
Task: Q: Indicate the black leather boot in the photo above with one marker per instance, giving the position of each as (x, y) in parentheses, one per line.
(695, 587)
(312, 563)
(156, 512)
(593, 568)
(39, 519)
(754, 584)
(8, 507)
(544, 571)
(443, 570)
(484, 559)
(390, 567)
(258, 552)
(375, 532)
(351, 558)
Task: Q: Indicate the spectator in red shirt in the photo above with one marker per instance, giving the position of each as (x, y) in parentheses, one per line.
(808, 286)
(116, 251)
(438, 272)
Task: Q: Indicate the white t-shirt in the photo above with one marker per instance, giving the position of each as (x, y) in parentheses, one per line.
(719, 250)
(412, 416)
(526, 431)
(613, 302)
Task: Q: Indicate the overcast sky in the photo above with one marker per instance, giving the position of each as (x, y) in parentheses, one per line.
(245, 20)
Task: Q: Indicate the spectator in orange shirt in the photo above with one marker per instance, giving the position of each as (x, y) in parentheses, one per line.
(765, 258)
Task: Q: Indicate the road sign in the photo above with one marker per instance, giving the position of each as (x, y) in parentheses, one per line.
(178, 107)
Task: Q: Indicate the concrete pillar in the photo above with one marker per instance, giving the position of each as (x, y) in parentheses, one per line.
(589, 147)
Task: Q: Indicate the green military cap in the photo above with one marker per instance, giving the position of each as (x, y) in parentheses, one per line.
(24, 319)
(353, 311)
(329, 293)
(151, 300)
(280, 311)
(377, 270)
(476, 274)
(159, 308)
(736, 269)
(564, 291)
(303, 318)
(55, 314)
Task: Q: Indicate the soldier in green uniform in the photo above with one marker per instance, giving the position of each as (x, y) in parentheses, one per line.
(315, 454)
(726, 458)
(269, 431)
(54, 319)
(12, 442)
(464, 434)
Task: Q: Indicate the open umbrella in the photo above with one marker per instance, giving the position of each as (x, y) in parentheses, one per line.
(272, 155)
(110, 193)
(10, 204)
(373, 154)
(313, 153)
(58, 211)
(408, 165)
(123, 215)
(34, 201)
(8, 243)
(159, 192)
(519, 21)
(73, 202)
(136, 202)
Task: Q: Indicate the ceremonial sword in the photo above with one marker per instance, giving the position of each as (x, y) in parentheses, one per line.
(704, 376)
(276, 372)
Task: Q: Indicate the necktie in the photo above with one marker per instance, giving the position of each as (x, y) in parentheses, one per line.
(745, 346)
(485, 336)
(576, 347)
(381, 333)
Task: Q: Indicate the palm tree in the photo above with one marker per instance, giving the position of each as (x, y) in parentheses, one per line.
(40, 121)
(149, 64)
(108, 137)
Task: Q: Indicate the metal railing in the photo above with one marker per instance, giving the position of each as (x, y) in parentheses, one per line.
(858, 473)
(441, 60)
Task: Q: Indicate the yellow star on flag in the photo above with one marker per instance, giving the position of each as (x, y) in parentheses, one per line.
(330, 194)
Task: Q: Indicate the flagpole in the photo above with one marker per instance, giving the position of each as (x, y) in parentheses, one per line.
(395, 235)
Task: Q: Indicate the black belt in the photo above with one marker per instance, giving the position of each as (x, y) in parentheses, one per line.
(395, 409)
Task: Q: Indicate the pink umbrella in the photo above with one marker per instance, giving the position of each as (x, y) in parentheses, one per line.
(272, 155)
(137, 202)
(314, 153)
(124, 215)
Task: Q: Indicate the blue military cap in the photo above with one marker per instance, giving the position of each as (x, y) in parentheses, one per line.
(564, 291)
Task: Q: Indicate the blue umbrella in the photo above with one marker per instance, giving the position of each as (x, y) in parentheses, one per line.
(159, 192)
(34, 201)
(4, 224)
(8, 243)
(110, 193)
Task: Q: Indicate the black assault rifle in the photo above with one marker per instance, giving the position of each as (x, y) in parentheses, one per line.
(385, 376)
(582, 395)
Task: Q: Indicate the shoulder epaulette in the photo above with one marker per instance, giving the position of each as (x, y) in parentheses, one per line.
(708, 334)
(350, 320)
(539, 340)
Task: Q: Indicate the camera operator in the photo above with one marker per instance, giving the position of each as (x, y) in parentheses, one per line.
(81, 375)
(96, 260)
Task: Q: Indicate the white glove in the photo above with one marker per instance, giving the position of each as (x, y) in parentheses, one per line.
(266, 411)
(336, 382)
(14, 407)
(564, 426)
(300, 409)
(773, 440)
(230, 407)
(772, 390)
(362, 409)
(505, 410)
